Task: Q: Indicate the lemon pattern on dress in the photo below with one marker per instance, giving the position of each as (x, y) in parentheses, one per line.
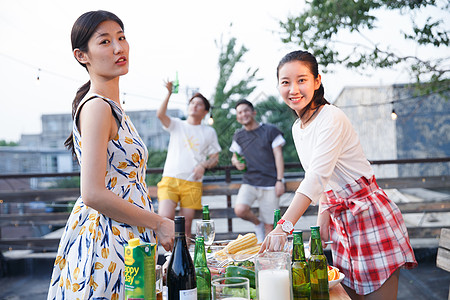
(90, 262)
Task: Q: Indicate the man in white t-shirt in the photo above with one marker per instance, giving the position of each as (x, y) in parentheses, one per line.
(193, 148)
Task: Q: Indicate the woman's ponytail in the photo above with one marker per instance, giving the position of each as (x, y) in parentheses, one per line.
(82, 91)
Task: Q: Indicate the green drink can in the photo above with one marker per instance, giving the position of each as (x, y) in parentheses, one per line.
(140, 271)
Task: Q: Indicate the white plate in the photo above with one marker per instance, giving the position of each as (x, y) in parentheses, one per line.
(333, 283)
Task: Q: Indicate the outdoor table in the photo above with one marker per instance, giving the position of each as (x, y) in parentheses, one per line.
(338, 293)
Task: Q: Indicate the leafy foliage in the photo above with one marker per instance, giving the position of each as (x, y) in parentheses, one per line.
(67, 183)
(317, 28)
(226, 94)
(5, 143)
(156, 159)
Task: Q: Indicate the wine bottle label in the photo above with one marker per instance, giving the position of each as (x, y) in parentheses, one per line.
(188, 294)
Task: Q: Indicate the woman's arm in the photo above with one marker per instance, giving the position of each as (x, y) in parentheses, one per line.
(295, 210)
(97, 127)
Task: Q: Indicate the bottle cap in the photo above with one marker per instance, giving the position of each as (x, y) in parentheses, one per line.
(179, 224)
(134, 242)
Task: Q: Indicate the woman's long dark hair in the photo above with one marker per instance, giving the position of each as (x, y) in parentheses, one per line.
(308, 59)
(82, 30)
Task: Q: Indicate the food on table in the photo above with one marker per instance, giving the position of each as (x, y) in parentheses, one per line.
(333, 273)
(235, 271)
(243, 244)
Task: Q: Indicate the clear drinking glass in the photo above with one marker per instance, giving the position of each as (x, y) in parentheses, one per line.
(207, 230)
(159, 282)
(231, 288)
(273, 276)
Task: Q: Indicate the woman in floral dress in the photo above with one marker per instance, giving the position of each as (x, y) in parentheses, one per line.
(114, 205)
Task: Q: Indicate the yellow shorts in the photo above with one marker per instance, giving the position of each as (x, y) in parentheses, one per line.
(188, 193)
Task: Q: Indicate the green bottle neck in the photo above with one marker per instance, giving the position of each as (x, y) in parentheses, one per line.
(316, 243)
(206, 212)
(276, 218)
(298, 250)
(199, 254)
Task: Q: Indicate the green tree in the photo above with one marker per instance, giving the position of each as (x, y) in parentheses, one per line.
(227, 94)
(317, 28)
(5, 143)
(156, 159)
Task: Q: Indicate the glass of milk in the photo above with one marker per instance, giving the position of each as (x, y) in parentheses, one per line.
(273, 276)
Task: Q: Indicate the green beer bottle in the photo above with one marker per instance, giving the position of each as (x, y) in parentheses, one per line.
(300, 269)
(202, 273)
(241, 159)
(206, 212)
(176, 84)
(276, 217)
(318, 267)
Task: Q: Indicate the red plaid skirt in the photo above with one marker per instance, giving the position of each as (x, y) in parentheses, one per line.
(369, 234)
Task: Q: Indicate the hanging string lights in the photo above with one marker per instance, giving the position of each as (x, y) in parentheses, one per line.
(211, 119)
(393, 115)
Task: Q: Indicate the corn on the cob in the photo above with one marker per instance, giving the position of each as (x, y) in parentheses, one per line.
(221, 255)
(251, 250)
(241, 243)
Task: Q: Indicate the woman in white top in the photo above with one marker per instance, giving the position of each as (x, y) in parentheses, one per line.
(370, 238)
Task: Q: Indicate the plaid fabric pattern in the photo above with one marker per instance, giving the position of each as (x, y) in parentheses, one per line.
(369, 234)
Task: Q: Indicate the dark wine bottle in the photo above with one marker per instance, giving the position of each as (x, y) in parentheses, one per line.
(318, 267)
(181, 281)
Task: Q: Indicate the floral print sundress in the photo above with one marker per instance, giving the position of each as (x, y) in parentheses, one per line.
(90, 258)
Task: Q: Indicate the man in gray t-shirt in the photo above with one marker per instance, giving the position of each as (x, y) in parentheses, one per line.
(260, 146)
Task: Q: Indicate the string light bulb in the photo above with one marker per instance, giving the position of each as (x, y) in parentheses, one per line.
(211, 120)
(394, 115)
(38, 77)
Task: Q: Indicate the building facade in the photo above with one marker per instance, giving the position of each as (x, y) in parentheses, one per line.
(421, 130)
(45, 152)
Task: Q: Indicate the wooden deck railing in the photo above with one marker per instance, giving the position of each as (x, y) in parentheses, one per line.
(222, 183)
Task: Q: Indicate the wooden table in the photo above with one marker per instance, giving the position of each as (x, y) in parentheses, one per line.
(338, 293)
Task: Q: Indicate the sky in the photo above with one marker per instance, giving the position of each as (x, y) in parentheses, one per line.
(165, 37)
